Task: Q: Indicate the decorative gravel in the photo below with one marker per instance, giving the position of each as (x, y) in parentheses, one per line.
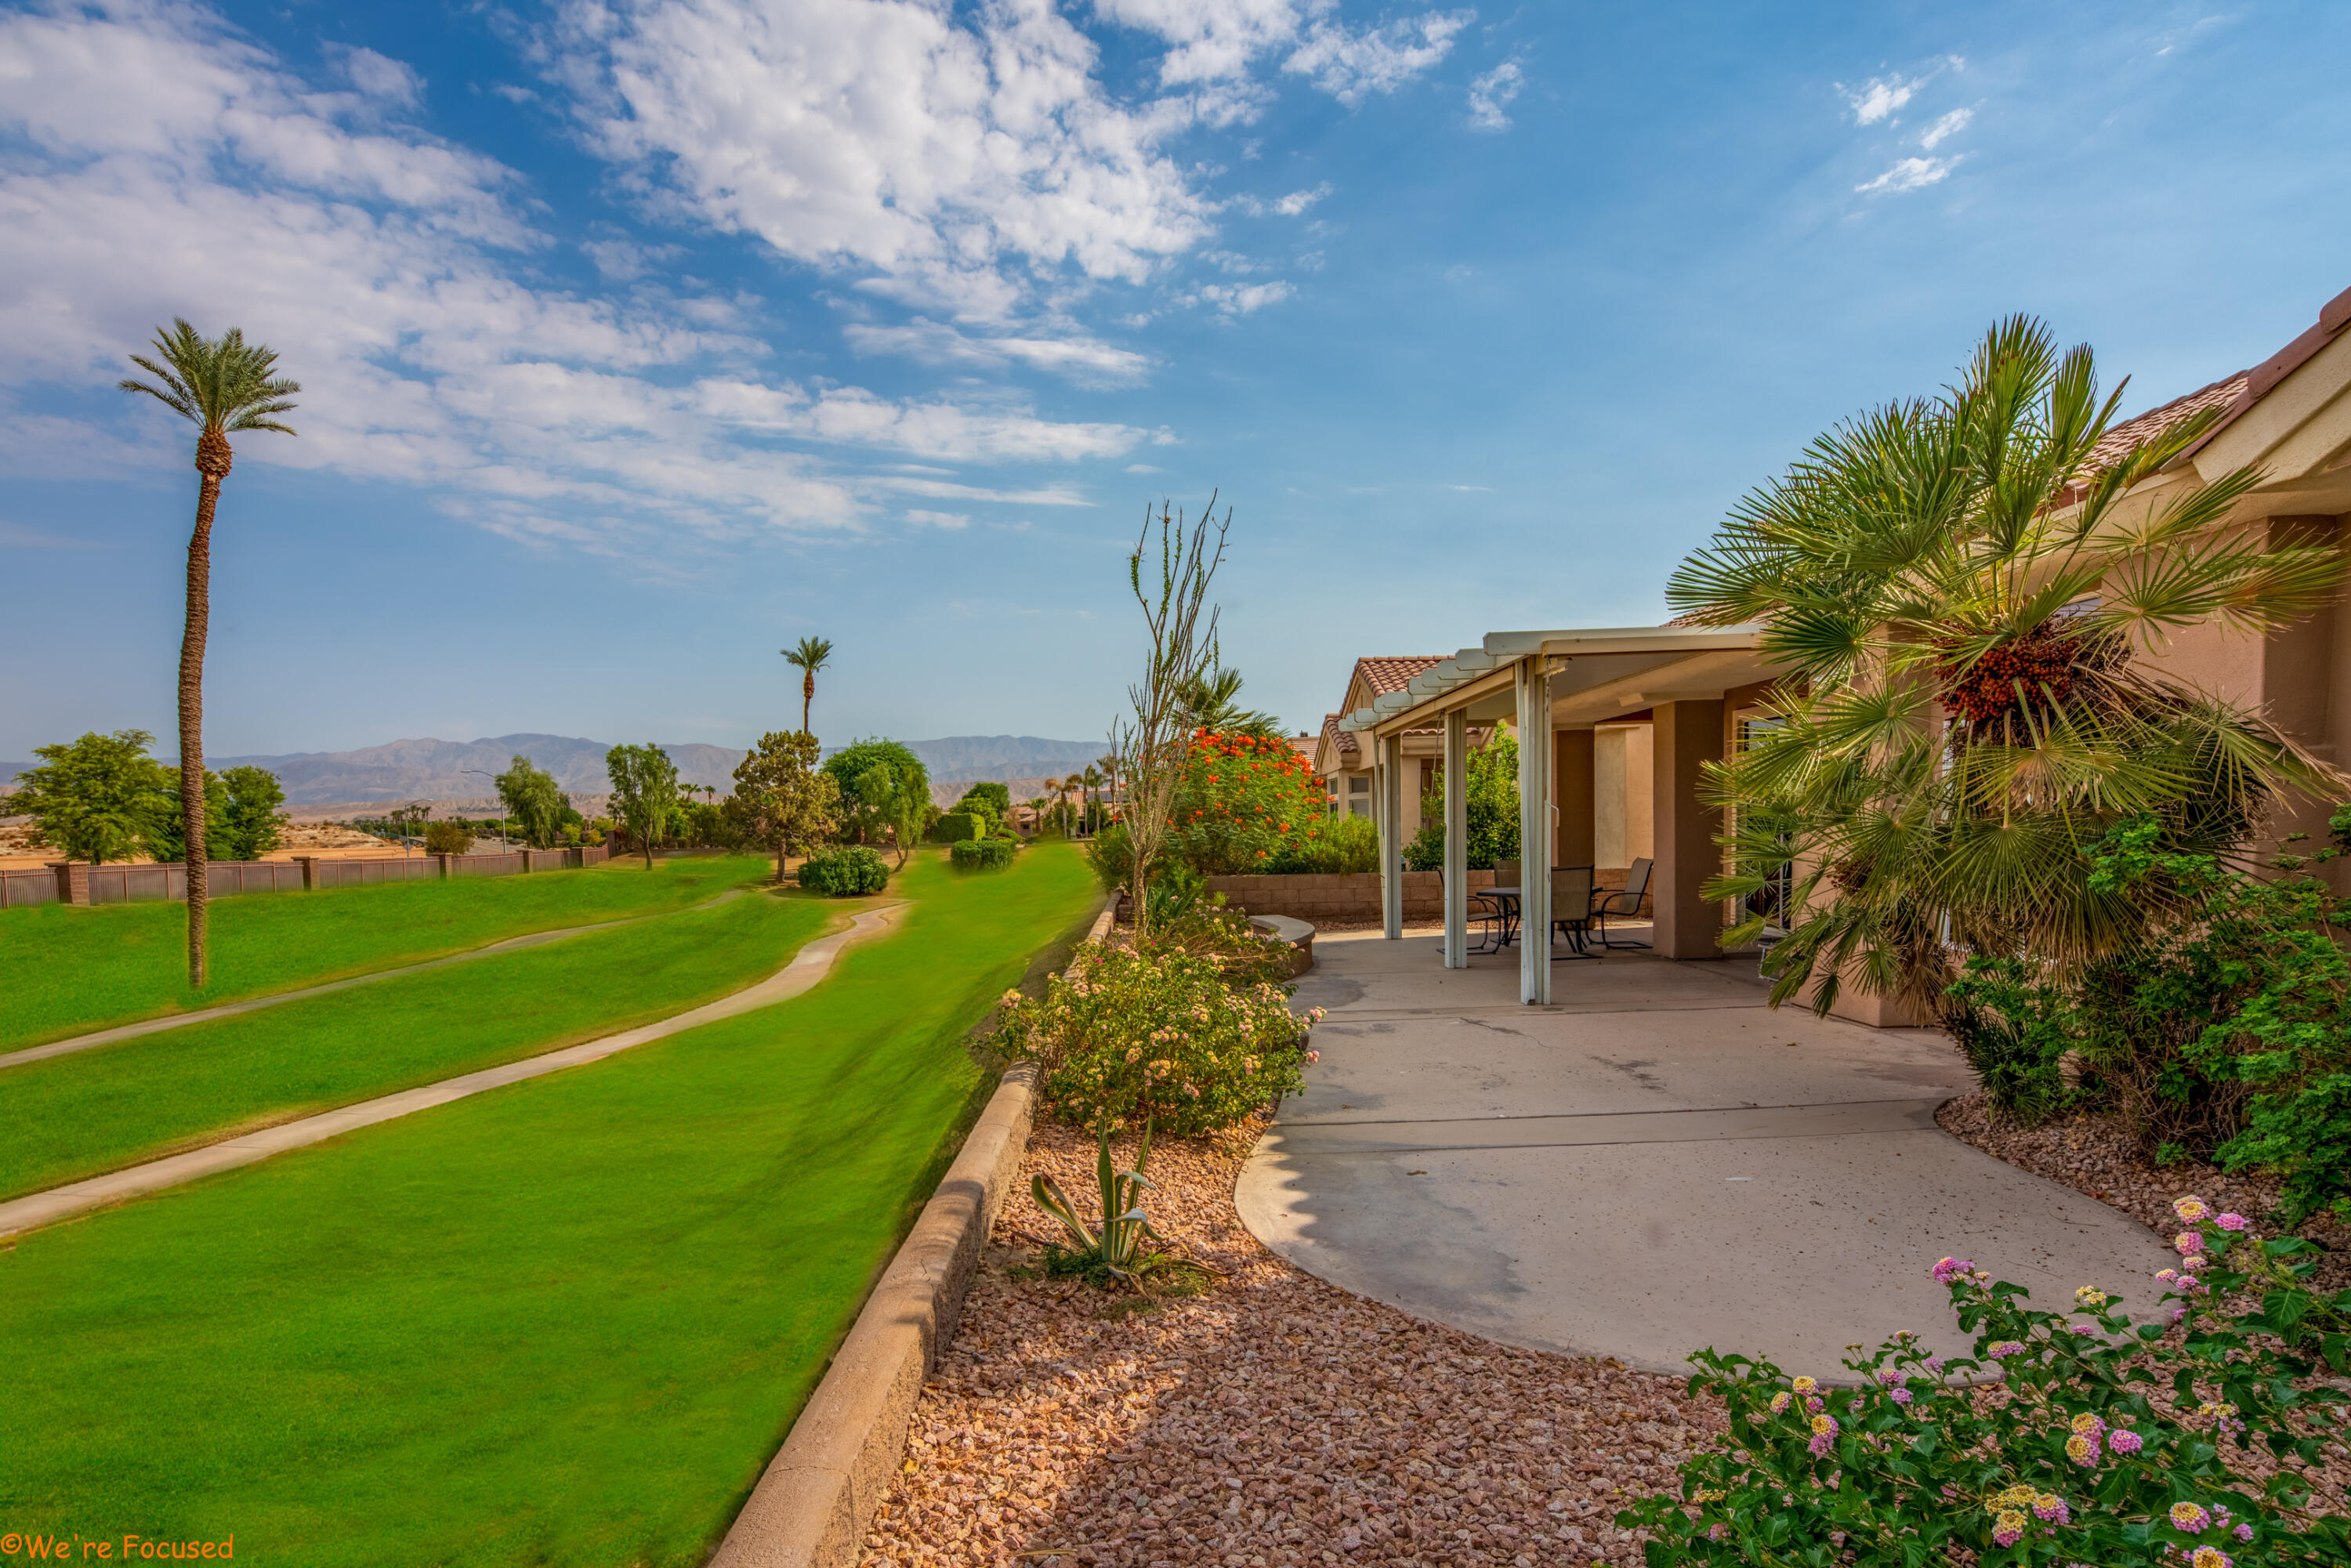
(1271, 1419)
(2096, 1154)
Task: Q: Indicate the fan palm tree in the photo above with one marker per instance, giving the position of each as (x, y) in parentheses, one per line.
(808, 656)
(1961, 588)
(222, 385)
(1091, 778)
(1213, 702)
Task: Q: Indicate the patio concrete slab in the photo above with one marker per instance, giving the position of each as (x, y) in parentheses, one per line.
(1655, 1164)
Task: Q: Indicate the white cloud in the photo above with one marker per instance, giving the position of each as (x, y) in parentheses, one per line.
(380, 76)
(1288, 206)
(940, 520)
(1909, 174)
(1143, 468)
(1217, 43)
(1081, 357)
(1875, 99)
(1491, 93)
(1946, 128)
(1237, 299)
(1347, 65)
(389, 269)
(1477, 490)
(961, 160)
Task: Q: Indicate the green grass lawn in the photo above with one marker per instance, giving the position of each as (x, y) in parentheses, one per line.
(74, 970)
(566, 1322)
(97, 1110)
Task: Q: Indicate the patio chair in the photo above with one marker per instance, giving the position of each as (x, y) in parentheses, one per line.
(1570, 908)
(1487, 912)
(1624, 904)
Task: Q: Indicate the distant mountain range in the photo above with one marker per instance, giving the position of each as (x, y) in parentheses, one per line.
(437, 769)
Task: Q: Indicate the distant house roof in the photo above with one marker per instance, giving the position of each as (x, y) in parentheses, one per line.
(1388, 673)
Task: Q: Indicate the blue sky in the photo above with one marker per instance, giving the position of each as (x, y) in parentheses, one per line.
(640, 340)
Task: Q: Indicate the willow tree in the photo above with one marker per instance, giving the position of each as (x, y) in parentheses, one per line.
(1965, 590)
(222, 385)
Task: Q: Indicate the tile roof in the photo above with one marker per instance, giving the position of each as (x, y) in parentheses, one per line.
(2130, 433)
(1344, 739)
(1394, 671)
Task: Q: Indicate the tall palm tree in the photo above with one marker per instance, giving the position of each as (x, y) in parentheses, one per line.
(808, 656)
(1961, 588)
(222, 385)
(1091, 778)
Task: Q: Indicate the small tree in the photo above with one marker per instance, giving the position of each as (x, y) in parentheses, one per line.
(781, 802)
(1181, 625)
(644, 791)
(533, 802)
(98, 798)
(883, 785)
(164, 834)
(250, 820)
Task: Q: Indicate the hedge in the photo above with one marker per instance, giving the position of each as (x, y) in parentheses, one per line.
(957, 827)
(984, 855)
(846, 873)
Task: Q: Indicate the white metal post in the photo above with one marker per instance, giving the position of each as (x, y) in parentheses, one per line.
(1534, 832)
(1388, 781)
(1390, 786)
(1456, 839)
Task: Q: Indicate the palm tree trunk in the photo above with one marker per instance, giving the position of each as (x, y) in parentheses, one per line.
(213, 465)
(808, 696)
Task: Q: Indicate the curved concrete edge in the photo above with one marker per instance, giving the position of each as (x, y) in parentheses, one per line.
(145, 1027)
(812, 1505)
(1296, 932)
(818, 1495)
(811, 963)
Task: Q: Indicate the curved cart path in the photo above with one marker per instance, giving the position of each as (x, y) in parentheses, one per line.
(279, 999)
(1655, 1164)
(808, 965)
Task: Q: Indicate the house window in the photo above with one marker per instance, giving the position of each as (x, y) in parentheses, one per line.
(1359, 785)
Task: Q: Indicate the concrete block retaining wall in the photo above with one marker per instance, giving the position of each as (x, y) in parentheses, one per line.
(1354, 896)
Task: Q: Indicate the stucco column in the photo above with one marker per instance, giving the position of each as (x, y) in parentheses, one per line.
(1388, 806)
(1456, 839)
(1687, 736)
(1533, 691)
(1572, 776)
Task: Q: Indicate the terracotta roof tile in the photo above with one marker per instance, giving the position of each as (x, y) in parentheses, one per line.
(2130, 433)
(1344, 739)
(1394, 671)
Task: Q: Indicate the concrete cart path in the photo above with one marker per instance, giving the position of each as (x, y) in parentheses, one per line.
(1656, 1163)
(808, 966)
(279, 999)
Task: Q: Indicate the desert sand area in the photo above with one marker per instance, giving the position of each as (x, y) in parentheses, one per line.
(21, 849)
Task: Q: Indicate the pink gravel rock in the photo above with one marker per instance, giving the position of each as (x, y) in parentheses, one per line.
(1273, 1419)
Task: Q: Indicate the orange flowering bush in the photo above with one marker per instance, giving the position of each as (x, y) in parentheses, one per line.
(1246, 803)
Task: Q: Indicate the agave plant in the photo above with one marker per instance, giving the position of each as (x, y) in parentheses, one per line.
(1119, 1246)
(1963, 588)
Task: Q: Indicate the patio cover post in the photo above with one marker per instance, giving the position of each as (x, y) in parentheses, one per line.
(1456, 839)
(1389, 783)
(1534, 830)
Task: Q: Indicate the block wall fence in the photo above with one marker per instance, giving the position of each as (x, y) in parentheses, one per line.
(1354, 897)
(72, 882)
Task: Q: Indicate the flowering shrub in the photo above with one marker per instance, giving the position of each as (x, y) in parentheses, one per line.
(1158, 1036)
(2104, 1442)
(1245, 802)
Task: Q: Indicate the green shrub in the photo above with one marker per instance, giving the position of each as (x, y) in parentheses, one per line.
(446, 838)
(1493, 813)
(2106, 1442)
(1158, 1036)
(850, 872)
(1244, 801)
(1337, 845)
(994, 799)
(984, 854)
(2227, 1032)
(1111, 855)
(955, 826)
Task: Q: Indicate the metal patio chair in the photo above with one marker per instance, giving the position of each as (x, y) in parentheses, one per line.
(1486, 911)
(1570, 908)
(1624, 904)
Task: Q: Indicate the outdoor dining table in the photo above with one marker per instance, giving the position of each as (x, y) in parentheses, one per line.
(1509, 898)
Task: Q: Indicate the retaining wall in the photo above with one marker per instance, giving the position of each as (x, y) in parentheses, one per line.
(1324, 899)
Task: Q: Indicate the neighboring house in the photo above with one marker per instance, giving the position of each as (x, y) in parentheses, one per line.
(1345, 769)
